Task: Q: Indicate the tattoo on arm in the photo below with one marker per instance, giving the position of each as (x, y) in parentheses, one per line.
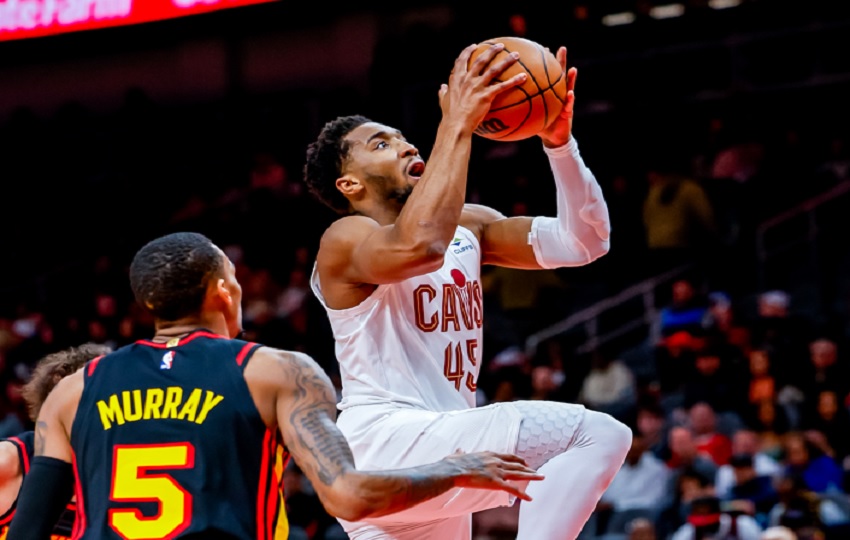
(40, 436)
(313, 419)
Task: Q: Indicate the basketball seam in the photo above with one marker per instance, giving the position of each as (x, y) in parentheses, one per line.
(529, 97)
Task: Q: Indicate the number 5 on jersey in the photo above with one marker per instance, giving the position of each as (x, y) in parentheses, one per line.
(133, 481)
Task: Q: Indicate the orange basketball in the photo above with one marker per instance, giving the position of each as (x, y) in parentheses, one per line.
(523, 111)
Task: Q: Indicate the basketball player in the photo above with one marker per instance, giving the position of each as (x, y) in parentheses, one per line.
(399, 276)
(16, 453)
(188, 434)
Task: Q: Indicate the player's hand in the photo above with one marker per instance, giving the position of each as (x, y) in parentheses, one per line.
(472, 87)
(559, 132)
(489, 470)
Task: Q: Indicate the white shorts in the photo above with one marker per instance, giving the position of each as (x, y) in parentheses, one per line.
(390, 437)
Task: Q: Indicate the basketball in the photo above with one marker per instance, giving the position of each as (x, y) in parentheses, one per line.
(523, 111)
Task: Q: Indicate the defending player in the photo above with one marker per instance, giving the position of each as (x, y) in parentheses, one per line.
(16, 452)
(187, 434)
(399, 276)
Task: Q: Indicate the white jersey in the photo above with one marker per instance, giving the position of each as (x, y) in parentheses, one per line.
(418, 342)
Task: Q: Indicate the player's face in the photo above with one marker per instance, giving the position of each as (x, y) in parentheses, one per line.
(382, 158)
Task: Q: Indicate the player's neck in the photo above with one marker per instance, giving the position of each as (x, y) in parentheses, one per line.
(166, 331)
(384, 215)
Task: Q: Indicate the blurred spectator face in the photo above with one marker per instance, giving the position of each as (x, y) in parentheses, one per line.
(773, 304)
(766, 412)
(642, 529)
(744, 473)
(683, 292)
(707, 364)
(823, 353)
(649, 423)
(796, 452)
(745, 441)
(702, 418)
(759, 363)
(681, 442)
(827, 404)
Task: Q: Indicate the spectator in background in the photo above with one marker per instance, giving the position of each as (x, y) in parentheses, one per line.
(691, 475)
(762, 384)
(778, 533)
(826, 371)
(819, 471)
(527, 299)
(770, 421)
(13, 409)
(641, 529)
(641, 483)
(707, 439)
(757, 489)
(706, 520)
(686, 311)
(678, 219)
(610, 385)
(713, 382)
(804, 511)
(746, 442)
(829, 417)
(652, 428)
(784, 336)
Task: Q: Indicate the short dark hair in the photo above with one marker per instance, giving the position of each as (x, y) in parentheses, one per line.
(169, 275)
(325, 157)
(53, 368)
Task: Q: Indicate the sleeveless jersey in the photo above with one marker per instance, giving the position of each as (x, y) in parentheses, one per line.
(168, 443)
(417, 342)
(23, 443)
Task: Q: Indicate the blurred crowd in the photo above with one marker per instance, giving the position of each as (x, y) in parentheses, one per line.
(740, 405)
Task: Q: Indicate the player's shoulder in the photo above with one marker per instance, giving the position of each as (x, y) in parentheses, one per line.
(346, 229)
(476, 217)
(479, 212)
(341, 238)
(277, 367)
(272, 356)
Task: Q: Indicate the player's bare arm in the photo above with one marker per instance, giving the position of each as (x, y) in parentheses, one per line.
(48, 487)
(10, 475)
(395, 247)
(305, 411)
(52, 427)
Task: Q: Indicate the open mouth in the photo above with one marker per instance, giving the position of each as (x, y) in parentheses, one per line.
(416, 169)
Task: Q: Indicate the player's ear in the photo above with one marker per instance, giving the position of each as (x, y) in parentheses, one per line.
(222, 292)
(349, 186)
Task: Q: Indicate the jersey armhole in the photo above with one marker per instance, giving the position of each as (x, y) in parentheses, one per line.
(245, 354)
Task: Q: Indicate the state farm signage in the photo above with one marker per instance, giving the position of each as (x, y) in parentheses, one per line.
(33, 18)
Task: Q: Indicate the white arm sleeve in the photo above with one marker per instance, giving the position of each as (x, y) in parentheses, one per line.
(580, 234)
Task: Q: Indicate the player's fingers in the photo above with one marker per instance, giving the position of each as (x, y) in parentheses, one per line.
(462, 61)
(511, 458)
(522, 475)
(495, 69)
(561, 55)
(513, 490)
(483, 60)
(572, 75)
(496, 88)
